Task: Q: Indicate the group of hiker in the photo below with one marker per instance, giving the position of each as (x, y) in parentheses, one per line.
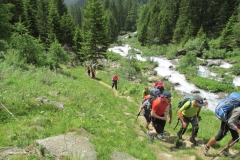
(91, 70)
(156, 106)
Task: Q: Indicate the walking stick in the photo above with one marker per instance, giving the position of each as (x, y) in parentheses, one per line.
(226, 148)
(176, 124)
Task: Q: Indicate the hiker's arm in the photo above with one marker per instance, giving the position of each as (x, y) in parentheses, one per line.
(154, 114)
(198, 112)
(140, 109)
(180, 116)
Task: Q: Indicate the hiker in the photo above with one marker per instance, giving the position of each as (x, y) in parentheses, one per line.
(88, 70)
(146, 112)
(160, 86)
(168, 111)
(232, 125)
(73, 64)
(146, 92)
(189, 113)
(114, 81)
(93, 72)
(157, 113)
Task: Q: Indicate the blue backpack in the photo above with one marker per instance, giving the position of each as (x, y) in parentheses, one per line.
(226, 105)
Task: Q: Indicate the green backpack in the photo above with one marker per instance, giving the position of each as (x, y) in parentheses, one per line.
(185, 99)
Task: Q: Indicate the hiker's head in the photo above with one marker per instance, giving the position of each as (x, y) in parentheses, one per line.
(199, 101)
(167, 96)
(160, 86)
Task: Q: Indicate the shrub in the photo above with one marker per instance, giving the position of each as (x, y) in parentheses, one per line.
(235, 69)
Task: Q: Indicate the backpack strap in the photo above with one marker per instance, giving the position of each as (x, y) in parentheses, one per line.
(190, 104)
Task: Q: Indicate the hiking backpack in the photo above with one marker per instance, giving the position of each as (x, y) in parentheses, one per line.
(185, 99)
(224, 107)
(147, 103)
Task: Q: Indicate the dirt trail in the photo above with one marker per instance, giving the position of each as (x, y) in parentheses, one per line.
(116, 92)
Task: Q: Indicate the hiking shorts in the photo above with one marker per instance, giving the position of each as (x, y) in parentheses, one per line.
(147, 117)
(224, 128)
(158, 124)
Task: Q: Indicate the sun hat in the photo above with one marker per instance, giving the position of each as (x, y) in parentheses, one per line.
(166, 95)
(199, 101)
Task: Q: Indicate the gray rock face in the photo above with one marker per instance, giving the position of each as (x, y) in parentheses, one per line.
(70, 145)
(122, 156)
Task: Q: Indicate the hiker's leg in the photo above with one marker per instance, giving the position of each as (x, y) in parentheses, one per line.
(235, 136)
(148, 120)
(195, 126)
(222, 131)
(116, 85)
(112, 84)
(159, 125)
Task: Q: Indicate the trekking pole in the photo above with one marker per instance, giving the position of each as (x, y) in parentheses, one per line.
(176, 124)
(226, 148)
(138, 115)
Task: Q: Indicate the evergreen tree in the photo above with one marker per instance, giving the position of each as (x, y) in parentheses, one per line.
(53, 23)
(131, 17)
(77, 39)
(42, 22)
(142, 25)
(28, 48)
(30, 16)
(61, 7)
(120, 15)
(67, 30)
(16, 9)
(76, 14)
(95, 32)
(5, 17)
(226, 38)
(112, 28)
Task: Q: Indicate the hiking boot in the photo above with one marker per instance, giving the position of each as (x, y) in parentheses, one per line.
(179, 135)
(150, 136)
(155, 137)
(226, 152)
(205, 150)
(161, 136)
(193, 140)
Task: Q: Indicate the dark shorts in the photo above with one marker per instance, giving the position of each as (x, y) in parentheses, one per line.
(147, 117)
(158, 124)
(224, 128)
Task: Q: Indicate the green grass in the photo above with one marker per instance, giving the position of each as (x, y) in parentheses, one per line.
(87, 104)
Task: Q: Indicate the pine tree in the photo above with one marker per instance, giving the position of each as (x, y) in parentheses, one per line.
(95, 32)
(30, 16)
(5, 17)
(120, 15)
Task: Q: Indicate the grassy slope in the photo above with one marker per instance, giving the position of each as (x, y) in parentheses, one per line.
(87, 104)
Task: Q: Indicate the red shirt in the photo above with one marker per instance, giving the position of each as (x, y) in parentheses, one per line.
(115, 78)
(159, 106)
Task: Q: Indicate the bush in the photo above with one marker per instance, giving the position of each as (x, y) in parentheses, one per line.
(113, 56)
(235, 69)
(197, 45)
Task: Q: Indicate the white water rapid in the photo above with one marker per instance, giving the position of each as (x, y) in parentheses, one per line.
(175, 77)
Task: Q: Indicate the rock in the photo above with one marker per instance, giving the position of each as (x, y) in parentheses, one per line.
(71, 145)
(120, 156)
(195, 91)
